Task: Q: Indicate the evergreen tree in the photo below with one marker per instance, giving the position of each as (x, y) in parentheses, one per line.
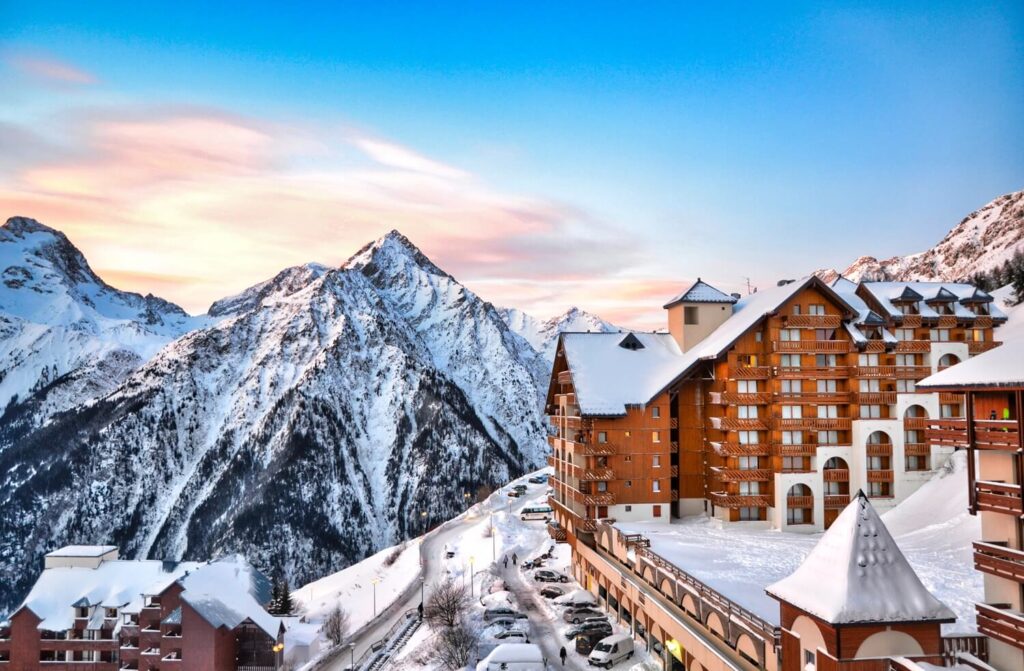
(285, 605)
(274, 607)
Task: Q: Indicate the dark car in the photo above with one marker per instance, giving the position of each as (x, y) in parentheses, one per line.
(500, 612)
(577, 615)
(586, 641)
(538, 479)
(545, 575)
(552, 592)
(520, 488)
(592, 626)
(515, 493)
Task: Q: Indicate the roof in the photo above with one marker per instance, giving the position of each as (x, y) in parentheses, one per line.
(702, 292)
(928, 292)
(607, 377)
(999, 367)
(230, 591)
(82, 551)
(857, 574)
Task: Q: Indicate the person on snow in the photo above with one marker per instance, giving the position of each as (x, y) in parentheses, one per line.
(506, 561)
(515, 558)
(563, 654)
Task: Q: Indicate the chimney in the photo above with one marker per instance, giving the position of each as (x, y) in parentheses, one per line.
(697, 312)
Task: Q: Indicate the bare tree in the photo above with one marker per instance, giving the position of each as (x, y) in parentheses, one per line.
(448, 601)
(336, 625)
(456, 646)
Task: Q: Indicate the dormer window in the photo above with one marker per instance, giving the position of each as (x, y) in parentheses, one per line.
(82, 612)
(908, 308)
(631, 342)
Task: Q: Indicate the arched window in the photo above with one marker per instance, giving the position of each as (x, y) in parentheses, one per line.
(799, 505)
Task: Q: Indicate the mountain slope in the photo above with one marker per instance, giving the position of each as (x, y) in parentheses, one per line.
(983, 240)
(329, 413)
(543, 335)
(63, 329)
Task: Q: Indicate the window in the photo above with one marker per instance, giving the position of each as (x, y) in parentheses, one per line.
(690, 315)
(657, 511)
(656, 461)
(792, 412)
(796, 309)
(796, 516)
(750, 488)
(747, 514)
(867, 359)
(906, 386)
(792, 463)
(629, 483)
(976, 335)
(940, 335)
(791, 387)
(757, 336)
(792, 437)
(790, 360)
(870, 386)
(628, 434)
(824, 334)
(747, 463)
(747, 412)
(808, 658)
(870, 411)
(789, 335)
(629, 509)
(627, 458)
(602, 486)
(906, 359)
(825, 360)
(746, 386)
(827, 386)
(656, 436)
(876, 463)
(655, 485)
(904, 335)
(816, 309)
(749, 437)
(602, 436)
(917, 463)
(878, 489)
(828, 437)
(828, 411)
(656, 412)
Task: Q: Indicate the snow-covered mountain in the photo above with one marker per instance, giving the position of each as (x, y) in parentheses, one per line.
(65, 331)
(327, 414)
(982, 241)
(543, 335)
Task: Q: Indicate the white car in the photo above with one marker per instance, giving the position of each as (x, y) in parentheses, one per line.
(611, 650)
(512, 636)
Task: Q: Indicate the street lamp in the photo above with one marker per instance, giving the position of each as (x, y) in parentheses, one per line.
(375, 581)
(471, 576)
(352, 649)
(423, 581)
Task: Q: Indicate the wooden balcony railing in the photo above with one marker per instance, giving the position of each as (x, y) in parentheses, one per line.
(947, 322)
(879, 476)
(813, 424)
(917, 449)
(915, 423)
(557, 534)
(674, 471)
(751, 372)
(876, 397)
(813, 321)
(875, 371)
(878, 449)
(814, 398)
(794, 450)
(742, 474)
(914, 346)
(597, 474)
(736, 398)
(824, 346)
(673, 423)
(590, 449)
(738, 424)
(949, 398)
(998, 497)
(565, 377)
(812, 372)
(910, 321)
(835, 475)
(950, 432)
(983, 322)
(999, 560)
(740, 500)
(836, 501)
(673, 447)
(875, 346)
(799, 501)
(994, 434)
(598, 499)
(741, 449)
(551, 461)
(1000, 623)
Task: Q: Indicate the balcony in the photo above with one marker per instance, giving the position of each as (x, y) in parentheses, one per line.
(998, 622)
(918, 346)
(999, 560)
(813, 321)
(947, 322)
(738, 424)
(589, 449)
(994, 434)
(949, 398)
(948, 432)
(723, 500)
(877, 398)
(983, 322)
(558, 534)
(879, 476)
(813, 424)
(565, 377)
(910, 321)
(598, 499)
(812, 372)
(799, 501)
(836, 501)
(597, 474)
(998, 497)
(878, 449)
(917, 449)
(812, 346)
(912, 372)
(740, 372)
(742, 449)
(915, 423)
(742, 474)
(835, 475)
(814, 397)
(875, 346)
(736, 398)
(794, 450)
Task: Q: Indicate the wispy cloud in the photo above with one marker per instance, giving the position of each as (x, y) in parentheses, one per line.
(196, 204)
(51, 70)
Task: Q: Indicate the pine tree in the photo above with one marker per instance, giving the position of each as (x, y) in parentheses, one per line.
(274, 607)
(285, 605)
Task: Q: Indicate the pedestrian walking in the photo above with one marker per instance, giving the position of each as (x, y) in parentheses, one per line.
(506, 561)
(515, 558)
(563, 654)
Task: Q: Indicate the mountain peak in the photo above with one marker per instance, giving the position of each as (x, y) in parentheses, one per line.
(20, 226)
(390, 249)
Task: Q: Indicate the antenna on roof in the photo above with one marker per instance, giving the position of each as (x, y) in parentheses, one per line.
(748, 286)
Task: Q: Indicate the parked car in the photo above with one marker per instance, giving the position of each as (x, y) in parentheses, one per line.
(513, 657)
(515, 493)
(586, 641)
(538, 479)
(520, 488)
(580, 599)
(513, 636)
(545, 575)
(577, 615)
(610, 651)
(552, 592)
(501, 611)
(504, 623)
(592, 625)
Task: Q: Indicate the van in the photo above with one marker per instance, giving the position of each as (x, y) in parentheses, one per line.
(536, 513)
(611, 650)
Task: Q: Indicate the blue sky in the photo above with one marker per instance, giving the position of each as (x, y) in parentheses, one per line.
(645, 144)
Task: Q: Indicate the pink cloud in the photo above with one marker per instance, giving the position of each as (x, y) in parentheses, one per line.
(53, 70)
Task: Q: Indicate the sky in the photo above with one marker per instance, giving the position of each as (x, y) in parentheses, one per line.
(602, 155)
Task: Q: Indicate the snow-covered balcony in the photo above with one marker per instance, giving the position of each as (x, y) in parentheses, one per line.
(739, 424)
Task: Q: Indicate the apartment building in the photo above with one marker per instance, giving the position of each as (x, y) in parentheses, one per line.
(771, 409)
(89, 609)
(991, 431)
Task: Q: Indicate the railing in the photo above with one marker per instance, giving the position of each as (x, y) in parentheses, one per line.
(552, 462)
(836, 501)
(994, 434)
(915, 423)
(998, 497)
(812, 372)
(740, 500)
(799, 501)
(830, 346)
(742, 449)
(912, 372)
(557, 534)
(876, 397)
(565, 377)
(910, 321)
(673, 423)
(742, 474)
(878, 449)
(814, 423)
(737, 398)
(813, 321)
(591, 449)
(835, 475)
(751, 372)
(1000, 623)
(794, 450)
(914, 346)
(999, 560)
(739, 424)
(875, 371)
(674, 471)
(950, 398)
(673, 447)
(917, 449)
(814, 397)
(947, 322)
(983, 321)
(971, 644)
(879, 476)
(596, 474)
(950, 432)
(874, 346)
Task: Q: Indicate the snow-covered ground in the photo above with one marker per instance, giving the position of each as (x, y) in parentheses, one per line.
(931, 527)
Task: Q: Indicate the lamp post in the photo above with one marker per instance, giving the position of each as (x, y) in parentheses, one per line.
(471, 576)
(494, 553)
(423, 581)
(352, 650)
(375, 581)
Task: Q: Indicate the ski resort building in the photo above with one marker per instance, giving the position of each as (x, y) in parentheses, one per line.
(991, 431)
(771, 409)
(91, 610)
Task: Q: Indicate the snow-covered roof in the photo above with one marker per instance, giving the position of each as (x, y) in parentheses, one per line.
(702, 292)
(857, 574)
(514, 652)
(82, 551)
(228, 592)
(607, 377)
(999, 367)
(928, 292)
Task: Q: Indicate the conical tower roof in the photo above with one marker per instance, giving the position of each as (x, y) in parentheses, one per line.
(857, 574)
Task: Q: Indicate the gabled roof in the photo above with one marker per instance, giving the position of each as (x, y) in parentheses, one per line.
(886, 293)
(229, 591)
(979, 296)
(857, 574)
(907, 294)
(1002, 367)
(943, 295)
(702, 292)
